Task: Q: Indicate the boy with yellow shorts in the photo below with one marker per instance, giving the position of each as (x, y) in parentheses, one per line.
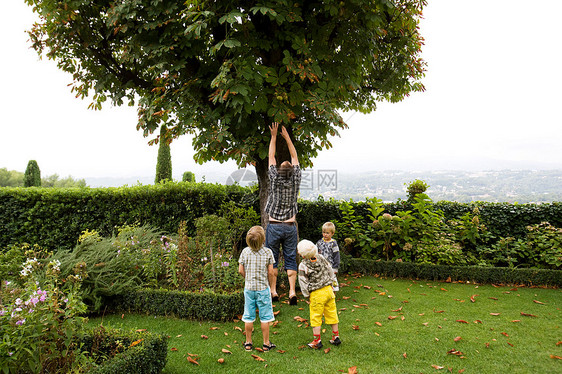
(315, 280)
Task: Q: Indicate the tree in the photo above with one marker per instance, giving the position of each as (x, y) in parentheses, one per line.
(164, 161)
(32, 175)
(222, 71)
(10, 178)
(188, 176)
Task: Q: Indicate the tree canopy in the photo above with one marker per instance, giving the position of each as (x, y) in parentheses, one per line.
(222, 71)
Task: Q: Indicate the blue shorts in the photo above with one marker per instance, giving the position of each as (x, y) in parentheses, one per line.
(281, 234)
(260, 300)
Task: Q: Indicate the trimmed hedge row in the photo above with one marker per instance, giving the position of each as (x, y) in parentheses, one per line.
(54, 218)
(180, 304)
(475, 274)
(147, 357)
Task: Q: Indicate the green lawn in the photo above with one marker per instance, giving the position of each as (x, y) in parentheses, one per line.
(387, 326)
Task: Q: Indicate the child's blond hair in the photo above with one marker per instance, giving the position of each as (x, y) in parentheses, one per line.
(329, 226)
(307, 249)
(255, 238)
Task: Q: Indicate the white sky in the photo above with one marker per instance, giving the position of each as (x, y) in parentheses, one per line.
(492, 102)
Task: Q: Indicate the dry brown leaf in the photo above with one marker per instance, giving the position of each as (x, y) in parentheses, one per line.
(505, 334)
(510, 344)
(377, 334)
(140, 330)
(404, 355)
(192, 354)
(557, 344)
(204, 337)
(556, 357)
(462, 370)
(438, 311)
(346, 297)
(226, 351)
(355, 327)
(477, 321)
(173, 349)
(352, 370)
(538, 302)
(473, 298)
(259, 349)
(178, 336)
(493, 298)
(398, 310)
(402, 318)
(461, 321)
(281, 351)
(257, 358)
(528, 315)
(367, 287)
(189, 359)
(239, 328)
(457, 338)
(392, 317)
(443, 289)
(516, 320)
(136, 342)
(214, 328)
(378, 324)
(454, 352)
(437, 367)
(327, 350)
(276, 312)
(220, 360)
(299, 319)
(495, 314)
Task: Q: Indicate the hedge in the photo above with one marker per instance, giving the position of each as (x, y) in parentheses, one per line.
(54, 218)
(476, 274)
(180, 304)
(147, 357)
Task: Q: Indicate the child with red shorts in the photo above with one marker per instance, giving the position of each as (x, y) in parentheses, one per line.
(315, 280)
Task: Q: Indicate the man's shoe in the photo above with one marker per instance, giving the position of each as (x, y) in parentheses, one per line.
(293, 300)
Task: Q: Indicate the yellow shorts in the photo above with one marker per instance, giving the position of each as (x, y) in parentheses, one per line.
(323, 303)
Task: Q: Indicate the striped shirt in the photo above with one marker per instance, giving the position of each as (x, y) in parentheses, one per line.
(255, 267)
(283, 193)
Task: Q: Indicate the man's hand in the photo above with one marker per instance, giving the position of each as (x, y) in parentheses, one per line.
(284, 133)
(273, 128)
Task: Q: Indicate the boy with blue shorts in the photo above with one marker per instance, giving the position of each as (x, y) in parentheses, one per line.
(256, 266)
(315, 279)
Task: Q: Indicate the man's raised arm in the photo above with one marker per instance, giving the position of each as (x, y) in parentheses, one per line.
(291, 146)
(272, 143)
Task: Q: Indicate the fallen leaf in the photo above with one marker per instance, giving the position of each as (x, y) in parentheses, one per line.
(477, 321)
(510, 344)
(225, 333)
(557, 344)
(487, 345)
(136, 342)
(516, 320)
(257, 358)
(425, 323)
(355, 327)
(214, 328)
(454, 352)
(505, 334)
(461, 370)
(461, 321)
(404, 355)
(392, 317)
(204, 336)
(140, 330)
(327, 350)
(402, 318)
(457, 338)
(220, 360)
(556, 357)
(378, 323)
(189, 359)
(346, 297)
(226, 351)
(513, 289)
(367, 287)
(352, 370)
(442, 289)
(239, 328)
(276, 312)
(438, 311)
(437, 367)
(192, 354)
(259, 349)
(299, 319)
(178, 336)
(538, 302)
(495, 314)
(173, 349)
(493, 298)
(528, 315)
(377, 334)
(398, 310)
(473, 298)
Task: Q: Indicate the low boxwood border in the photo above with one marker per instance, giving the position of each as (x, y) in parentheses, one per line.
(146, 353)
(180, 304)
(529, 277)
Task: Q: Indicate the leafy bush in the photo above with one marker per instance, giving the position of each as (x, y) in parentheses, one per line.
(115, 351)
(39, 319)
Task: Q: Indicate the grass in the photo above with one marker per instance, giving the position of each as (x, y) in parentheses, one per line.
(387, 326)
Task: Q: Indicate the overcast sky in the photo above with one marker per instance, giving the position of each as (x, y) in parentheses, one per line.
(492, 102)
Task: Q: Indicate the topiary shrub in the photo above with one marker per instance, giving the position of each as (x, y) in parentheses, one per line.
(32, 175)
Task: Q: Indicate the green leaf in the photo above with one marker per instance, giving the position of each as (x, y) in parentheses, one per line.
(231, 43)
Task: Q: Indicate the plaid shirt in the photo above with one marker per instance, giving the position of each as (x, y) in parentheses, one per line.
(255, 267)
(282, 197)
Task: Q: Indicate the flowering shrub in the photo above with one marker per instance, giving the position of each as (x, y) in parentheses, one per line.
(38, 321)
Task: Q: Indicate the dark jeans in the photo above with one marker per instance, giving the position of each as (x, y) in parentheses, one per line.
(285, 235)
